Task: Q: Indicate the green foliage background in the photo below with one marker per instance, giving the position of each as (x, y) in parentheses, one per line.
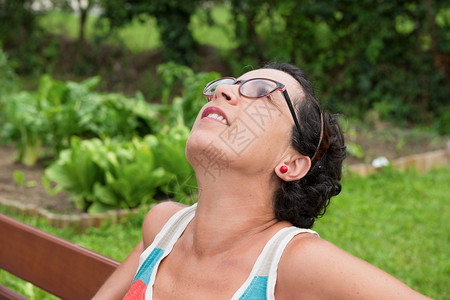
(388, 56)
(107, 150)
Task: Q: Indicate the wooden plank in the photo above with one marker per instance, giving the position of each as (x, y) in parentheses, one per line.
(8, 294)
(58, 266)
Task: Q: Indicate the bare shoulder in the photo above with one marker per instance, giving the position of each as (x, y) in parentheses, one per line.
(156, 218)
(322, 270)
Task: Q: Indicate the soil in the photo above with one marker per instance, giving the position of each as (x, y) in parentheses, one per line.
(382, 140)
(32, 191)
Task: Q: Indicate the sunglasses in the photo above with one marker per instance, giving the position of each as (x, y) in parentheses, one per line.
(256, 88)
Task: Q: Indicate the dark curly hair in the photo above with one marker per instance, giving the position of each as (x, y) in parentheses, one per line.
(302, 201)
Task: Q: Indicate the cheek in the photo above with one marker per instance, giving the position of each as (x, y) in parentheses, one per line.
(263, 113)
(269, 145)
(271, 126)
(278, 138)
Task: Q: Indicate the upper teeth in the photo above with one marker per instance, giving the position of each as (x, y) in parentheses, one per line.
(218, 117)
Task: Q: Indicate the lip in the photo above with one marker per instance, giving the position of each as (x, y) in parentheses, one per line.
(215, 110)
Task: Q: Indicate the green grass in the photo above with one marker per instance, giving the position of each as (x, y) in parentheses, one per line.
(395, 220)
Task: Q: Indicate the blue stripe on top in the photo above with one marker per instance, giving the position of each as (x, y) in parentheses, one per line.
(257, 289)
(145, 271)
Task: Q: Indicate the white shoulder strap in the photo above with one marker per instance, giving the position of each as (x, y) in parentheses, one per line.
(274, 255)
(165, 240)
(173, 229)
(170, 233)
(267, 263)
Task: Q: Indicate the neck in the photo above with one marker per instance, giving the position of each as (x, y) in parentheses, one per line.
(232, 211)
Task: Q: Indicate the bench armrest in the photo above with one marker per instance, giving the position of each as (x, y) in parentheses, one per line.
(58, 266)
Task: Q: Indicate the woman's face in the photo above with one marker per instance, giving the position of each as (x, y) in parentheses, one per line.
(233, 132)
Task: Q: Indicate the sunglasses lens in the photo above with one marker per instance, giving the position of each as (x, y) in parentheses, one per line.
(210, 88)
(257, 88)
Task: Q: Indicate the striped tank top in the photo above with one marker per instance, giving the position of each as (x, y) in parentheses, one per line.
(259, 285)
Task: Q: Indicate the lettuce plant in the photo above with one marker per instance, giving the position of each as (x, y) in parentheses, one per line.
(169, 150)
(108, 174)
(59, 110)
(29, 123)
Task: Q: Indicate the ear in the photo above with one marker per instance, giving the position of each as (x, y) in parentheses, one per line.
(297, 167)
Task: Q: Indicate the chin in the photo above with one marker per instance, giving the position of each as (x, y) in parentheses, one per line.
(197, 142)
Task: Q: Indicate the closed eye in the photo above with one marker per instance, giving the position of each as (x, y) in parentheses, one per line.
(274, 103)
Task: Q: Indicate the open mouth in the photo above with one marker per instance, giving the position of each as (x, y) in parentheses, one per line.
(216, 114)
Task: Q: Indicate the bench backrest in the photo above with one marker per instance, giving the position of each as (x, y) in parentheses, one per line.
(58, 266)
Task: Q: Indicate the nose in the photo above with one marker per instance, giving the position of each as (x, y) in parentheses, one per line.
(230, 93)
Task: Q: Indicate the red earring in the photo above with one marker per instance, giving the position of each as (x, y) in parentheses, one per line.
(283, 169)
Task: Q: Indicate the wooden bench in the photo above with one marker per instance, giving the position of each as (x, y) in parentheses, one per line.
(57, 266)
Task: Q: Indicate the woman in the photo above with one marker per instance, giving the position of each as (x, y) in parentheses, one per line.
(265, 172)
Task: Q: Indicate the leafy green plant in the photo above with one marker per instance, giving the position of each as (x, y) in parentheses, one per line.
(171, 73)
(131, 178)
(29, 125)
(76, 171)
(68, 107)
(60, 110)
(350, 128)
(184, 109)
(121, 116)
(354, 149)
(19, 177)
(51, 190)
(169, 149)
(108, 174)
(127, 171)
(8, 79)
